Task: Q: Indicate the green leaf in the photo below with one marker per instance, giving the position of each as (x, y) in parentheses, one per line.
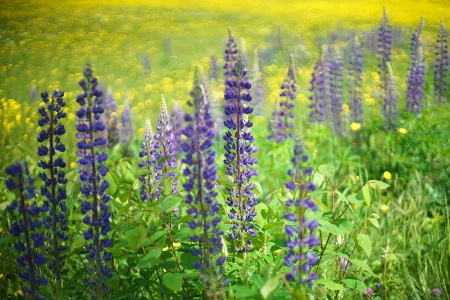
(331, 285)
(112, 188)
(362, 265)
(331, 228)
(365, 243)
(136, 238)
(343, 224)
(167, 187)
(366, 194)
(157, 235)
(170, 203)
(376, 183)
(352, 199)
(327, 170)
(374, 223)
(149, 259)
(355, 284)
(259, 219)
(78, 242)
(172, 281)
(270, 286)
(226, 180)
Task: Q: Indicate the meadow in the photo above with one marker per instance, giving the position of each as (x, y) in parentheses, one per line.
(147, 172)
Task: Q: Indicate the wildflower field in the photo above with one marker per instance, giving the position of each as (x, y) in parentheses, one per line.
(224, 150)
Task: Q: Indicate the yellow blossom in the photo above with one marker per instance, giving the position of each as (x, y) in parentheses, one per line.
(1, 276)
(355, 126)
(73, 165)
(384, 207)
(402, 131)
(387, 175)
(357, 177)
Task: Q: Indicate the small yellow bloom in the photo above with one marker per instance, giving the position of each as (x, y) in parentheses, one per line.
(387, 175)
(355, 126)
(278, 251)
(357, 177)
(25, 137)
(73, 165)
(2, 276)
(402, 131)
(19, 292)
(384, 207)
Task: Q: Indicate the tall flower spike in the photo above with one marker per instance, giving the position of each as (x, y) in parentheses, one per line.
(258, 85)
(94, 200)
(239, 162)
(112, 130)
(288, 89)
(164, 152)
(127, 134)
(355, 82)
(213, 68)
(176, 119)
(201, 175)
(276, 125)
(148, 161)
(53, 177)
(384, 46)
(317, 114)
(416, 75)
(26, 229)
(441, 66)
(390, 105)
(336, 93)
(298, 259)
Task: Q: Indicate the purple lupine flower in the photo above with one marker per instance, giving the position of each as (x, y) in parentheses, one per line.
(26, 228)
(33, 92)
(176, 119)
(258, 85)
(343, 264)
(213, 68)
(369, 292)
(231, 56)
(390, 104)
(441, 66)
(112, 120)
(164, 152)
(336, 94)
(276, 125)
(298, 259)
(384, 46)
(317, 114)
(416, 75)
(127, 134)
(327, 57)
(216, 107)
(288, 89)
(355, 82)
(94, 199)
(148, 161)
(201, 195)
(239, 162)
(204, 82)
(53, 177)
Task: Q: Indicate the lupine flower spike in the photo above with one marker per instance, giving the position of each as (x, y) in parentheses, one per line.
(286, 115)
(384, 46)
(112, 130)
(416, 75)
(127, 134)
(258, 85)
(94, 200)
(176, 119)
(317, 114)
(336, 93)
(239, 162)
(26, 229)
(390, 104)
(355, 82)
(201, 175)
(148, 162)
(298, 229)
(53, 177)
(164, 152)
(441, 66)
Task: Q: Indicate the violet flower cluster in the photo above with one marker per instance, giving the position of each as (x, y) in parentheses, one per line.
(165, 152)
(390, 104)
(53, 177)
(441, 66)
(283, 129)
(298, 229)
(176, 119)
(201, 174)
(336, 94)
(94, 200)
(258, 86)
(384, 45)
(112, 120)
(355, 82)
(317, 107)
(416, 75)
(231, 56)
(147, 163)
(26, 228)
(239, 162)
(127, 134)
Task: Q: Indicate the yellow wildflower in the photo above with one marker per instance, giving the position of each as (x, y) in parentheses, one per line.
(355, 126)
(73, 165)
(2, 276)
(384, 207)
(402, 131)
(387, 175)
